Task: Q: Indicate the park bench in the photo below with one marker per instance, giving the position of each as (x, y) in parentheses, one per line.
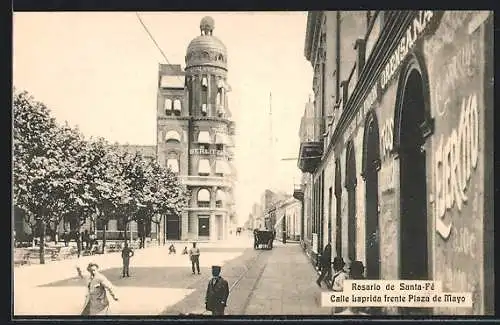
(64, 253)
(21, 257)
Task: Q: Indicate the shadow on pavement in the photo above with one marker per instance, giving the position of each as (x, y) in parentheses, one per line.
(152, 277)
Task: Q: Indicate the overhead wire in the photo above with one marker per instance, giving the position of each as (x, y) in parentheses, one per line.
(154, 41)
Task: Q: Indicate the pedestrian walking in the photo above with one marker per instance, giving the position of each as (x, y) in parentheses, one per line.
(217, 292)
(96, 300)
(194, 255)
(185, 251)
(171, 249)
(127, 253)
(325, 264)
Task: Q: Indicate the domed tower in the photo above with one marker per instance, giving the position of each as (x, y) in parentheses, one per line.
(210, 176)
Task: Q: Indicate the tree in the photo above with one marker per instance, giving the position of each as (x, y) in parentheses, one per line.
(38, 165)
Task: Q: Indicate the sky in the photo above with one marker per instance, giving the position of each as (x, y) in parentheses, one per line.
(98, 71)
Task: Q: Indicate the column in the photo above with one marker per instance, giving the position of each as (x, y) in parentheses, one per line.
(213, 227)
(224, 226)
(209, 97)
(184, 225)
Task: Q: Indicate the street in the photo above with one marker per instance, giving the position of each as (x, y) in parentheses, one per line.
(279, 281)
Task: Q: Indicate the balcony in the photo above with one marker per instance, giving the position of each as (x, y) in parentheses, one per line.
(208, 181)
(298, 192)
(310, 154)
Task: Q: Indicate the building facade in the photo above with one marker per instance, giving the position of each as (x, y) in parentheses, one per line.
(404, 178)
(195, 137)
(288, 218)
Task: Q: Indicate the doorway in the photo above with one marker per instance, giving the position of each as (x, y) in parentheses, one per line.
(203, 226)
(173, 227)
(413, 190)
(371, 166)
(351, 201)
(338, 208)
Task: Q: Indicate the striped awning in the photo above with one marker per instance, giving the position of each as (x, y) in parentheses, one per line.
(204, 166)
(173, 164)
(204, 137)
(203, 195)
(172, 135)
(221, 138)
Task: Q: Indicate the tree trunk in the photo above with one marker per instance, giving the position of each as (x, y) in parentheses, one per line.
(42, 243)
(79, 243)
(158, 233)
(104, 237)
(125, 232)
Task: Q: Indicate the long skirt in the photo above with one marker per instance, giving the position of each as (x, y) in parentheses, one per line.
(87, 311)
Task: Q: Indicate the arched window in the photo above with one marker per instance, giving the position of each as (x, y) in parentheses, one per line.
(203, 198)
(172, 136)
(173, 162)
(168, 106)
(177, 107)
(219, 199)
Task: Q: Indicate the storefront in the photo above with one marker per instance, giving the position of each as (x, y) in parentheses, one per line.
(411, 159)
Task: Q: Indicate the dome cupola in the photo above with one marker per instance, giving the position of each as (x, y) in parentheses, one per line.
(206, 49)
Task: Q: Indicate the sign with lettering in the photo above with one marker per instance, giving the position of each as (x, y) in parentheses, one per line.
(456, 77)
(203, 151)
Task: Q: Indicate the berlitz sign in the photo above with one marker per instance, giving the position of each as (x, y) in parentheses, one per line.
(214, 152)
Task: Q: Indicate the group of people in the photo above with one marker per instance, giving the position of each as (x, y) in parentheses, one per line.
(356, 272)
(98, 286)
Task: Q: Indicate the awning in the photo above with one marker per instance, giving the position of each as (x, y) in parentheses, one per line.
(204, 137)
(203, 195)
(222, 167)
(173, 164)
(204, 166)
(204, 108)
(204, 82)
(221, 138)
(220, 83)
(177, 105)
(173, 135)
(221, 196)
(168, 104)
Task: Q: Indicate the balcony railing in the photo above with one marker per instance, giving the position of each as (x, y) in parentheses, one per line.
(298, 191)
(225, 181)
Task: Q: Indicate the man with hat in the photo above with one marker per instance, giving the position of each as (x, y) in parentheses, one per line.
(339, 275)
(217, 292)
(325, 264)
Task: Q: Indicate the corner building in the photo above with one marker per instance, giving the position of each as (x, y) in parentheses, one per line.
(195, 137)
(402, 159)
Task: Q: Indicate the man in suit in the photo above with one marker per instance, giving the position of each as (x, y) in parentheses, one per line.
(217, 293)
(325, 264)
(127, 253)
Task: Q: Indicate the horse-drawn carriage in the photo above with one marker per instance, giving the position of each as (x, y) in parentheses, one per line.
(263, 239)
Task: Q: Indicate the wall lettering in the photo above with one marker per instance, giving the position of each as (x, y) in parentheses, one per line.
(406, 43)
(455, 158)
(465, 242)
(201, 151)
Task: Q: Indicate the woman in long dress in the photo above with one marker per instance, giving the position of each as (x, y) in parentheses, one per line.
(96, 300)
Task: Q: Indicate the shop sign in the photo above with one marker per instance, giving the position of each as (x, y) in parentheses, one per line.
(406, 43)
(202, 151)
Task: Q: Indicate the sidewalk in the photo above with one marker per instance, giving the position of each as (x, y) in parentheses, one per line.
(287, 285)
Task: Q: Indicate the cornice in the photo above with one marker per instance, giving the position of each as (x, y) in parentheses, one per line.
(397, 23)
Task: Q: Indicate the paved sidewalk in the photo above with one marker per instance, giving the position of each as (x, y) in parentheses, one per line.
(287, 285)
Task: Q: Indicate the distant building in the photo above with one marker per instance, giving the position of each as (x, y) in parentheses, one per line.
(196, 138)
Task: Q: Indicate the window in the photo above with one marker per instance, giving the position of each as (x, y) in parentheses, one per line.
(172, 136)
(219, 199)
(204, 167)
(204, 82)
(203, 198)
(173, 165)
(219, 146)
(204, 110)
(177, 107)
(168, 106)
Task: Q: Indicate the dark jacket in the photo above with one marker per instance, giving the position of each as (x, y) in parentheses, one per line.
(217, 294)
(127, 253)
(326, 257)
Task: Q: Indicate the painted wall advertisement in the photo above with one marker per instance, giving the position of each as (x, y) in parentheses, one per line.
(456, 74)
